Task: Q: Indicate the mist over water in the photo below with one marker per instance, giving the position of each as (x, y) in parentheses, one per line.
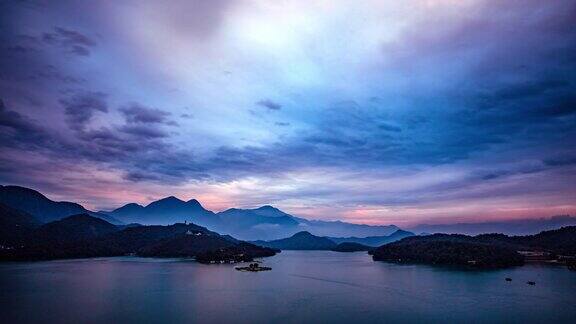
(311, 286)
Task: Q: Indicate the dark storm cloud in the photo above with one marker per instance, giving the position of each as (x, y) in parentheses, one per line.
(19, 131)
(80, 108)
(137, 149)
(15, 121)
(22, 60)
(560, 161)
(66, 40)
(105, 144)
(69, 40)
(271, 105)
(136, 113)
(22, 63)
(137, 176)
(143, 131)
(522, 170)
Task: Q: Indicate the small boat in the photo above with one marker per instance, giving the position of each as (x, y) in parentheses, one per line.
(508, 279)
(253, 267)
(531, 283)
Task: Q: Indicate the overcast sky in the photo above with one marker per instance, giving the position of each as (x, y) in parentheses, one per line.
(403, 112)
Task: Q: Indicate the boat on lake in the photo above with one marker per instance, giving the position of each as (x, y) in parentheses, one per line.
(253, 267)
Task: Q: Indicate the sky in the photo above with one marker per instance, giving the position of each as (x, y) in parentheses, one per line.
(376, 112)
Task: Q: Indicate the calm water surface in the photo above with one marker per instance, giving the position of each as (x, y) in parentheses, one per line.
(319, 287)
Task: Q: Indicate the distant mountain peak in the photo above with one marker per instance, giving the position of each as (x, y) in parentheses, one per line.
(171, 200)
(303, 234)
(130, 206)
(24, 190)
(401, 232)
(194, 202)
(267, 207)
(303, 240)
(269, 211)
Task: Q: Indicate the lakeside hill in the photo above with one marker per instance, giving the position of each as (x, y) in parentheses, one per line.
(374, 241)
(81, 236)
(71, 229)
(483, 251)
(300, 241)
(15, 226)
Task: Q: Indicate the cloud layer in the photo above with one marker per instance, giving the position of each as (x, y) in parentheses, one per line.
(377, 112)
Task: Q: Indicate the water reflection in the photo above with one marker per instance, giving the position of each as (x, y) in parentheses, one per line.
(302, 287)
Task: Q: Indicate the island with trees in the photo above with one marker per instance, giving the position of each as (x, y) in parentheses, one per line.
(483, 251)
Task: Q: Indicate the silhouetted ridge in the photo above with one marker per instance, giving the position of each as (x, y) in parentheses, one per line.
(300, 241)
(167, 210)
(194, 202)
(128, 208)
(374, 241)
(42, 208)
(15, 226)
(166, 202)
(86, 236)
(73, 228)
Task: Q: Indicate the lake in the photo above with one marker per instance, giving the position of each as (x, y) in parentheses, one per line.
(311, 286)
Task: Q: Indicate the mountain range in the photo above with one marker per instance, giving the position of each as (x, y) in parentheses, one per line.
(265, 223)
(262, 223)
